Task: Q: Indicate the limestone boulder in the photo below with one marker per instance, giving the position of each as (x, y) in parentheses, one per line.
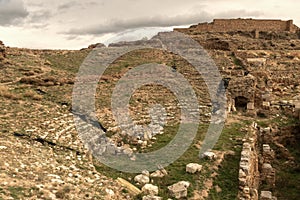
(150, 189)
(266, 195)
(209, 155)
(193, 168)
(142, 179)
(157, 174)
(149, 197)
(179, 190)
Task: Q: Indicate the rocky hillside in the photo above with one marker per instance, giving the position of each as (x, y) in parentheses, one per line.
(42, 156)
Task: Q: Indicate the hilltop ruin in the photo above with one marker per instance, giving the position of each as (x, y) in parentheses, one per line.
(231, 25)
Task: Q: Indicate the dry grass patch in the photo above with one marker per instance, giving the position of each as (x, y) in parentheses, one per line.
(33, 95)
(6, 93)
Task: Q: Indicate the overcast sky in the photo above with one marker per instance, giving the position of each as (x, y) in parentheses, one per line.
(74, 24)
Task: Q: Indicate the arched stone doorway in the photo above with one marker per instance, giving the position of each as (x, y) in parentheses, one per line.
(241, 103)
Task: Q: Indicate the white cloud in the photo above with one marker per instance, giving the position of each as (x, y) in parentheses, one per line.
(119, 25)
(77, 23)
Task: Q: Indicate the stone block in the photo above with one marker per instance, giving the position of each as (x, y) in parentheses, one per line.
(150, 197)
(210, 155)
(142, 179)
(150, 189)
(266, 195)
(193, 168)
(250, 106)
(179, 190)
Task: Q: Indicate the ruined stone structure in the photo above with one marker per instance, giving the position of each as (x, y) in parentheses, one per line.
(248, 172)
(231, 25)
(256, 166)
(241, 93)
(2, 51)
(297, 109)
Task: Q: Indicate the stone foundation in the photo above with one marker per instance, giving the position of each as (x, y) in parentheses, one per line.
(2, 51)
(256, 165)
(248, 172)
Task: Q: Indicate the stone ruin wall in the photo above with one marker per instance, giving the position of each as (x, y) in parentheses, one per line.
(255, 167)
(227, 25)
(2, 51)
(248, 170)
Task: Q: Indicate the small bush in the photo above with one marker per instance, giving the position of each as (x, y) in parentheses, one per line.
(6, 93)
(31, 94)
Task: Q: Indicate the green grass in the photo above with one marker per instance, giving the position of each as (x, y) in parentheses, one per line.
(237, 62)
(288, 176)
(287, 184)
(228, 173)
(69, 62)
(227, 179)
(16, 192)
(230, 137)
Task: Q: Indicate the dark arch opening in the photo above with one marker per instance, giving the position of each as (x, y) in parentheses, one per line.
(241, 103)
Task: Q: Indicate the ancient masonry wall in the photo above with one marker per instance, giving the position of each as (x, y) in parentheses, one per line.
(2, 51)
(256, 165)
(226, 25)
(248, 172)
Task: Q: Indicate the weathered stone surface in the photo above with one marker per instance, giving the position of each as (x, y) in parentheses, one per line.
(248, 172)
(250, 106)
(242, 92)
(157, 174)
(210, 155)
(193, 168)
(227, 25)
(150, 197)
(266, 195)
(142, 179)
(146, 173)
(131, 188)
(268, 174)
(150, 189)
(179, 190)
(259, 62)
(266, 105)
(161, 172)
(2, 51)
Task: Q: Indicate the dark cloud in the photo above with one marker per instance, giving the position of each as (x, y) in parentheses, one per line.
(119, 25)
(76, 3)
(39, 16)
(12, 12)
(67, 5)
